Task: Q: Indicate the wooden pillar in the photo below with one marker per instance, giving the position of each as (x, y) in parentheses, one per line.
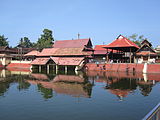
(56, 69)
(130, 56)
(48, 68)
(65, 69)
(107, 56)
(40, 68)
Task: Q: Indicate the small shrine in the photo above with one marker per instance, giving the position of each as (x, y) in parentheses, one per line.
(146, 54)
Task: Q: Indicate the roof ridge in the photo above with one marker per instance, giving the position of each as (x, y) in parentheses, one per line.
(127, 41)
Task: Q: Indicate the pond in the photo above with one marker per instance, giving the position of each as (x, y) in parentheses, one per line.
(87, 95)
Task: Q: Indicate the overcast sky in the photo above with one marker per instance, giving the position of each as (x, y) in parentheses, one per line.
(101, 20)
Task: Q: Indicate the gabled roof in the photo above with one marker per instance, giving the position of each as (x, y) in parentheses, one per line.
(146, 45)
(67, 60)
(32, 53)
(40, 61)
(122, 42)
(77, 43)
(146, 42)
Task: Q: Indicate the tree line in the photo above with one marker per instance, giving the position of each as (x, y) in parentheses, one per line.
(46, 40)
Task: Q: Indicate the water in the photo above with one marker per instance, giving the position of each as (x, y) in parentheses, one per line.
(77, 96)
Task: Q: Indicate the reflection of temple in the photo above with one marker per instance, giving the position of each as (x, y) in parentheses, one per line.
(121, 84)
(72, 85)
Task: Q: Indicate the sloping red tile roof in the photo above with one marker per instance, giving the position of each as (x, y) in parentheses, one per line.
(68, 78)
(77, 43)
(67, 60)
(121, 41)
(39, 76)
(146, 53)
(100, 50)
(47, 52)
(75, 90)
(40, 61)
(19, 65)
(19, 69)
(63, 52)
(71, 52)
(32, 53)
(100, 47)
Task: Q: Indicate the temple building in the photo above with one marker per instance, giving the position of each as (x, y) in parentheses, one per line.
(125, 50)
(100, 54)
(73, 53)
(146, 53)
(8, 54)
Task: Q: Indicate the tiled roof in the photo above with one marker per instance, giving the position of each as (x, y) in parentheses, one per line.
(70, 52)
(19, 65)
(39, 76)
(146, 53)
(67, 60)
(78, 43)
(68, 78)
(63, 52)
(40, 61)
(47, 52)
(100, 50)
(32, 53)
(100, 47)
(121, 41)
(75, 90)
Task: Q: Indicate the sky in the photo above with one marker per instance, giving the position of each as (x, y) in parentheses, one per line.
(100, 20)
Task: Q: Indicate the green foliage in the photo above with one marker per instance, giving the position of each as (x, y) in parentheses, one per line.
(47, 93)
(25, 42)
(3, 41)
(136, 39)
(46, 39)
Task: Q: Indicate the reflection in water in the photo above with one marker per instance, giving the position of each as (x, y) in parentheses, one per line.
(74, 85)
(79, 84)
(46, 92)
(121, 84)
(98, 92)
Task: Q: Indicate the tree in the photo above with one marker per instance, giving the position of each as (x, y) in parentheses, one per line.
(3, 41)
(25, 42)
(46, 39)
(137, 39)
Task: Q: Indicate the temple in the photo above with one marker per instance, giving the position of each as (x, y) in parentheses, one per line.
(146, 53)
(125, 50)
(120, 55)
(64, 54)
